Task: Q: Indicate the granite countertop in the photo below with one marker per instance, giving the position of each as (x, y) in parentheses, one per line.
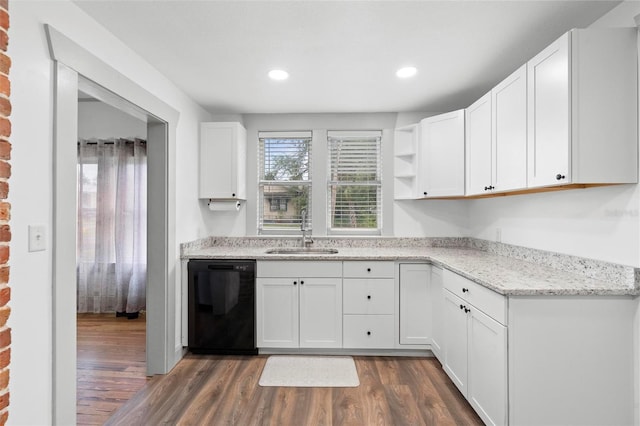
(505, 275)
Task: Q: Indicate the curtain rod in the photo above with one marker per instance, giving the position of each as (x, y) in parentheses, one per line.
(127, 141)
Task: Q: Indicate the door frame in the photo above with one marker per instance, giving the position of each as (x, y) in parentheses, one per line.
(70, 61)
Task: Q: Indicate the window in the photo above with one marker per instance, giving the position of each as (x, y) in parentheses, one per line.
(355, 186)
(284, 181)
(278, 204)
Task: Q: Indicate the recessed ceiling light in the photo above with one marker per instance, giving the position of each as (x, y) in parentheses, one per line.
(278, 75)
(406, 72)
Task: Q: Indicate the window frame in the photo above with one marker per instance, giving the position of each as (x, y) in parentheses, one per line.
(379, 185)
(262, 183)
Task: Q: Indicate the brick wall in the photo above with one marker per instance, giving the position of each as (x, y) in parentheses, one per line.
(5, 211)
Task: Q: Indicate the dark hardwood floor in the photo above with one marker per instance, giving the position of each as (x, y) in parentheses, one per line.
(224, 390)
(111, 365)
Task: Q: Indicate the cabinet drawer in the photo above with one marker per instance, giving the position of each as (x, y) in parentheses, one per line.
(299, 268)
(368, 296)
(488, 301)
(368, 331)
(368, 269)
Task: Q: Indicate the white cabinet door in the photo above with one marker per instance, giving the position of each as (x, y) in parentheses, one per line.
(582, 109)
(549, 115)
(479, 163)
(437, 320)
(320, 312)
(222, 160)
(487, 367)
(415, 304)
(442, 157)
(509, 135)
(277, 312)
(455, 343)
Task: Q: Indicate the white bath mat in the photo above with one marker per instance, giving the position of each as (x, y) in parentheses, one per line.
(310, 371)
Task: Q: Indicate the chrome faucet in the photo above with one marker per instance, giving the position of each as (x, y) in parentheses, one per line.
(306, 241)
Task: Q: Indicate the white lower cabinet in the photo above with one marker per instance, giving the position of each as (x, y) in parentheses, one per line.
(437, 312)
(487, 367)
(369, 305)
(415, 300)
(475, 346)
(455, 348)
(277, 313)
(368, 331)
(297, 306)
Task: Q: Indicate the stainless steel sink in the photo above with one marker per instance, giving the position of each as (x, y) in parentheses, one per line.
(301, 250)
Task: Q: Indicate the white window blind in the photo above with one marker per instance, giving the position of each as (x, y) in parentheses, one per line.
(284, 181)
(354, 187)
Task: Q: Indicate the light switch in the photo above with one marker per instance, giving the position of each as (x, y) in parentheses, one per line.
(37, 237)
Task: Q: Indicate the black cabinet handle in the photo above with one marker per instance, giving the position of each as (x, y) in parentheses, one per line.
(465, 290)
(368, 269)
(466, 310)
(461, 306)
(425, 192)
(295, 282)
(368, 333)
(559, 176)
(301, 282)
(369, 297)
(233, 195)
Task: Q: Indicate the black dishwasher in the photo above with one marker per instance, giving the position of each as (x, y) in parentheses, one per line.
(222, 306)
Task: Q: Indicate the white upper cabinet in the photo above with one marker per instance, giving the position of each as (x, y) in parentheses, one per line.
(479, 162)
(223, 158)
(496, 138)
(509, 132)
(441, 161)
(582, 109)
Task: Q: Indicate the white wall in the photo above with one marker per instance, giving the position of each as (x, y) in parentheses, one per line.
(30, 196)
(600, 223)
(100, 121)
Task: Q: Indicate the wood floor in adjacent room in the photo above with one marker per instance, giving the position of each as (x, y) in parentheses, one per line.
(111, 364)
(224, 390)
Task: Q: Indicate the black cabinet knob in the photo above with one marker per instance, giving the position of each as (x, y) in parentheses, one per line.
(369, 297)
(465, 290)
(368, 269)
(425, 192)
(301, 282)
(295, 282)
(368, 333)
(466, 310)
(461, 306)
(559, 176)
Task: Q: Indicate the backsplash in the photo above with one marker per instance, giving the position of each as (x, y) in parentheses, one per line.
(590, 268)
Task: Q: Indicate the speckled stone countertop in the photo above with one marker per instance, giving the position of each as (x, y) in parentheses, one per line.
(516, 271)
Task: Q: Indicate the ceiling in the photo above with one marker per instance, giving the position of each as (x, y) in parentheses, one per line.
(341, 55)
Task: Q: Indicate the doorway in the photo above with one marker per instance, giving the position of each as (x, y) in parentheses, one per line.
(71, 62)
(111, 254)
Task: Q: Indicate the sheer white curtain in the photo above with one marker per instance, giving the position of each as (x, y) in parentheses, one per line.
(112, 214)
